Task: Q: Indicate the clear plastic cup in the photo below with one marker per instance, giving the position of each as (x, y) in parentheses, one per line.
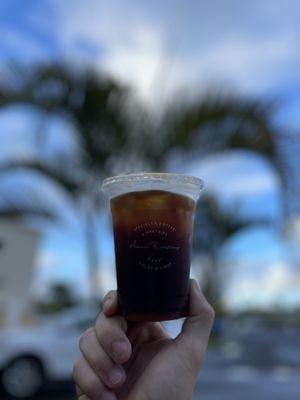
(153, 221)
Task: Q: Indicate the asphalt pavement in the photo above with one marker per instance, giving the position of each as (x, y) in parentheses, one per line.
(261, 364)
(258, 364)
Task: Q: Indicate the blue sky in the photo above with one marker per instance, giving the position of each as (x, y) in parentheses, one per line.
(252, 47)
(159, 48)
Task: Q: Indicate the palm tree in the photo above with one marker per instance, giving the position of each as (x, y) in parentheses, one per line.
(213, 123)
(16, 207)
(19, 212)
(96, 109)
(213, 226)
(116, 134)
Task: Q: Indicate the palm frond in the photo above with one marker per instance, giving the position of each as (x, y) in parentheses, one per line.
(215, 123)
(96, 105)
(20, 211)
(56, 174)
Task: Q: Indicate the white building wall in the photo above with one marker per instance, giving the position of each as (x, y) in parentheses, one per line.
(18, 246)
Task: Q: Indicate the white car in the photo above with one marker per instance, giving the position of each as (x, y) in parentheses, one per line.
(45, 353)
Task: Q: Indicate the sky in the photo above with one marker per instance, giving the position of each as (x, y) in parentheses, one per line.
(159, 48)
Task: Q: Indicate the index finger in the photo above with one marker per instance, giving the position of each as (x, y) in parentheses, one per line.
(110, 305)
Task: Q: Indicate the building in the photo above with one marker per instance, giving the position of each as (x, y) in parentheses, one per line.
(18, 246)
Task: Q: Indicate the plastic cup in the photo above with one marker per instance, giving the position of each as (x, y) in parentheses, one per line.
(153, 221)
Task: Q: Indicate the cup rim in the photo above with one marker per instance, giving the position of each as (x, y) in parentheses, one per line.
(171, 182)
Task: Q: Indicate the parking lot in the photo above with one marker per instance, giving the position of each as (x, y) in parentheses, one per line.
(215, 384)
(257, 365)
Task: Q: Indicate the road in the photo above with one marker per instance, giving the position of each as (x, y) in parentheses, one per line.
(246, 384)
(261, 365)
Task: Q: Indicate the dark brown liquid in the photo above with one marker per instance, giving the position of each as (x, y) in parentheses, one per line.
(153, 233)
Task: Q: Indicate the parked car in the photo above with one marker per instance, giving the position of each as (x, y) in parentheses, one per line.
(30, 357)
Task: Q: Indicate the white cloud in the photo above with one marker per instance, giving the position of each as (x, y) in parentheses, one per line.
(254, 48)
(160, 46)
(258, 269)
(131, 51)
(252, 65)
(139, 63)
(107, 278)
(236, 174)
(276, 285)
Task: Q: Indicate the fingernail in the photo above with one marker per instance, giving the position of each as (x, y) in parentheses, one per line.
(107, 304)
(116, 375)
(108, 396)
(118, 348)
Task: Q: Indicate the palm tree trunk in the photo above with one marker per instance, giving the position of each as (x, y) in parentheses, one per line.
(92, 256)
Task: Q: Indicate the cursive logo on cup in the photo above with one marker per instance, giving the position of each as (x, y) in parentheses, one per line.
(154, 246)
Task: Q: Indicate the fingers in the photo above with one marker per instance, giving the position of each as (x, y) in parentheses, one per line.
(111, 374)
(104, 347)
(111, 334)
(88, 384)
(194, 336)
(147, 331)
(110, 303)
(80, 395)
(83, 397)
(110, 307)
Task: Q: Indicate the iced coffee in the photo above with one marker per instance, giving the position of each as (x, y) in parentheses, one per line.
(153, 235)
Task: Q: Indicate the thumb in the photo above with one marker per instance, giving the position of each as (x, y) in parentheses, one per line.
(196, 329)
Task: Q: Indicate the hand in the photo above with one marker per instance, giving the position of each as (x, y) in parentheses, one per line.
(138, 360)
